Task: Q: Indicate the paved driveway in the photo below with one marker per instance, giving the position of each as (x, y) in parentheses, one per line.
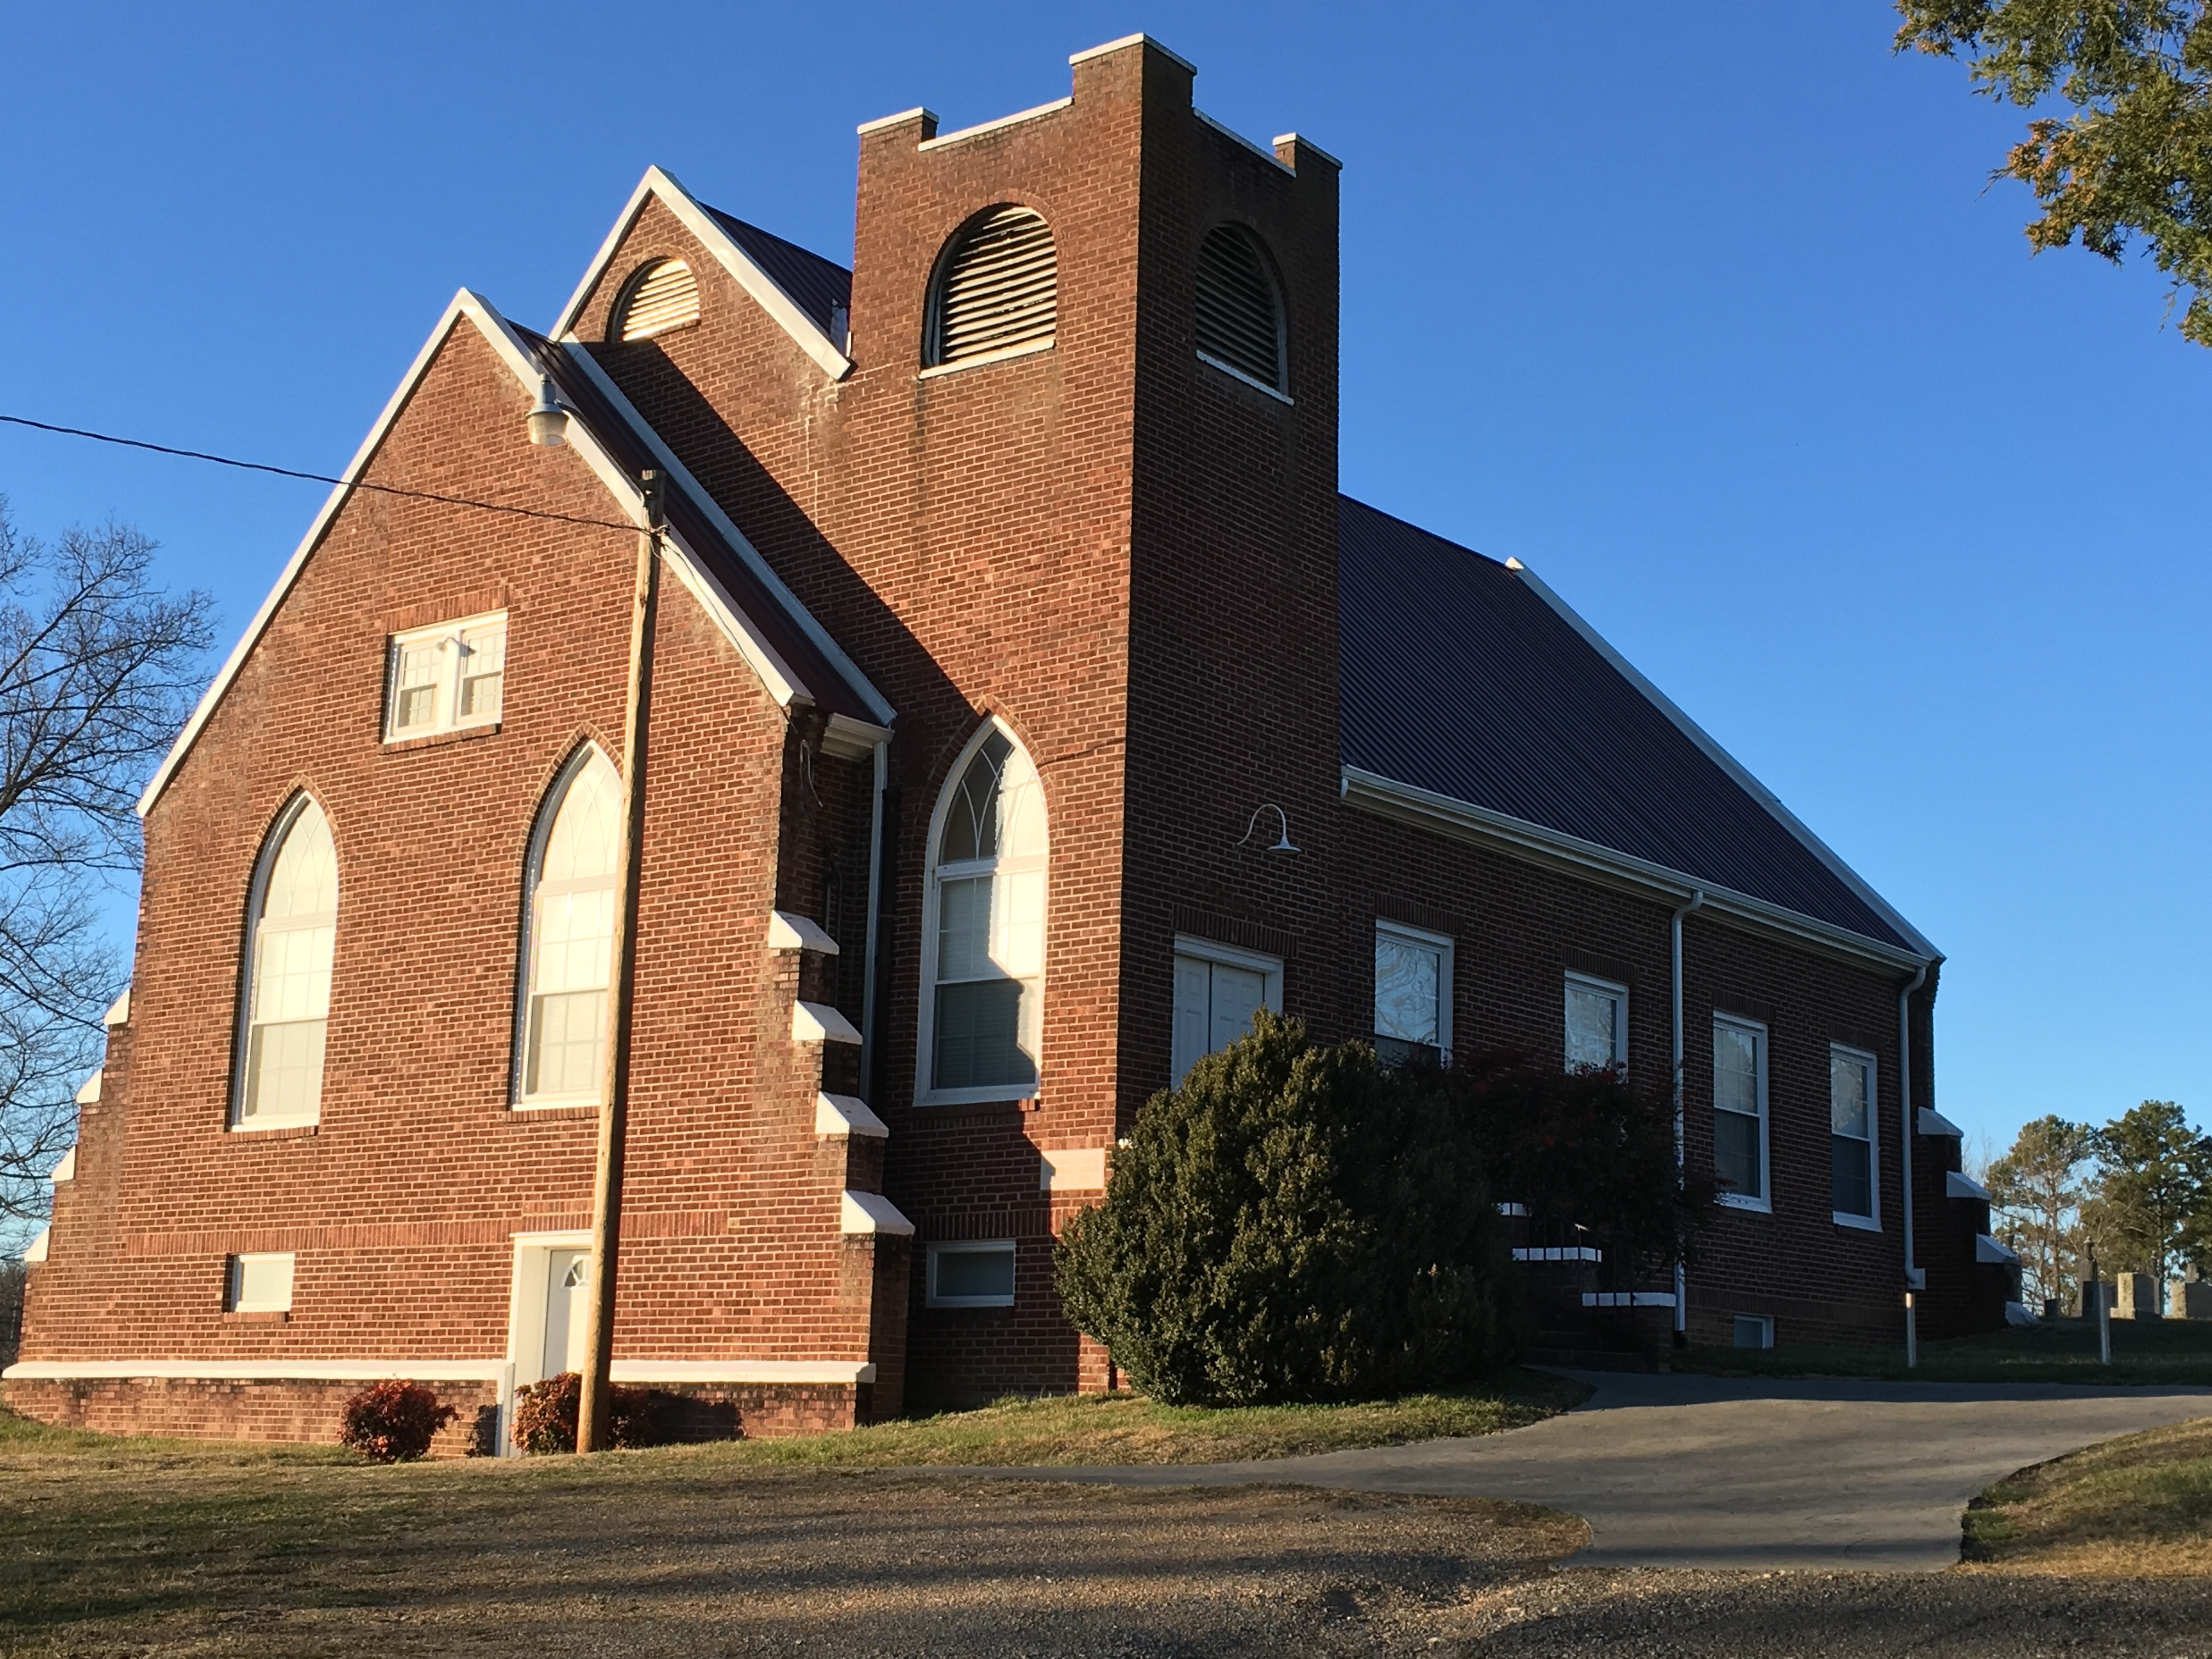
(1731, 1473)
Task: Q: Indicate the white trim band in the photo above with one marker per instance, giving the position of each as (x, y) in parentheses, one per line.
(429, 1370)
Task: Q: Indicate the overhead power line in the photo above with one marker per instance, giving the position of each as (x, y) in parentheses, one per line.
(315, 477)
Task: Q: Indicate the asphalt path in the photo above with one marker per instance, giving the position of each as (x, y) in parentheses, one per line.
(1727, 1473)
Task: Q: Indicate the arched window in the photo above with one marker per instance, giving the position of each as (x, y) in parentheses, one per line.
(568, 936)
(293, 931)
(983, 972)
(658, 297)
(1240, 311)
(997, 288)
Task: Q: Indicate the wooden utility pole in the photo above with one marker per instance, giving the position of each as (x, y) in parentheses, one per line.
(594, 1423)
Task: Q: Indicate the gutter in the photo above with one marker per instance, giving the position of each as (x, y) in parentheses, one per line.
(1916, 1277)
(1697, 901)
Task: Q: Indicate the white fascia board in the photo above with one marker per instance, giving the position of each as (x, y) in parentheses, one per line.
(1426, 809)
(1728, 762)
(762, 572)
(765, 290)
(872, 1212)
(214, 695)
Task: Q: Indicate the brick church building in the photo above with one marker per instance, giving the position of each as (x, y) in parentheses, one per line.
(1028, 707)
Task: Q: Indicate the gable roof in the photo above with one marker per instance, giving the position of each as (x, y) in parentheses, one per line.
(761, 264)
(1473, 683)
(793, 656)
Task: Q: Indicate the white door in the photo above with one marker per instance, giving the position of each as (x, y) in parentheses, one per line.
(565, 1320)
(1214, 1005)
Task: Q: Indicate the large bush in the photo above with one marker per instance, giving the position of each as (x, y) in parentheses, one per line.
(545, 1414)
(1292, 1223)
(392, 1421)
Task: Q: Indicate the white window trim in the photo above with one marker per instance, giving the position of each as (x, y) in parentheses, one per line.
(449, 683)
(234, 1270)
(1446, 983)
(1619, 993)
(934, 875)
(272, 846)
(1763, 1204)
(533, 859)
(1871, 1222)
(973, 1247)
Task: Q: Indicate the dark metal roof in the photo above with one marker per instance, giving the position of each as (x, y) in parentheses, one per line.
(815, 284)
(1458, 678)
(768, 613)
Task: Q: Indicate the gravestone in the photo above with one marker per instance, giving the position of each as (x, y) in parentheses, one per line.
(2135, 1296)
(2192, 1298)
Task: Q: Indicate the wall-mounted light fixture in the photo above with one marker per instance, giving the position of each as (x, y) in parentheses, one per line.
(548, 421)
(1282, 842)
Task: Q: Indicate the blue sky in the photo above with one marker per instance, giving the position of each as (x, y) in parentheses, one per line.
(1706, 311)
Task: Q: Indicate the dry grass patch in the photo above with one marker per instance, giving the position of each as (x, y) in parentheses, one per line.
(2139, 1507)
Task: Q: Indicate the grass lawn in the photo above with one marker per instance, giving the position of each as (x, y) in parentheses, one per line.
(2139, 1507)
(2143, 1351)
(111, 1545)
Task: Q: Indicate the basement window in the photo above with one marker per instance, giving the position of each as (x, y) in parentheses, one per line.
(972, 1273)
(446, 679)
(996, 292)
(658, 297)
(1240, 311)
(1754, 1331)
(259, 1283)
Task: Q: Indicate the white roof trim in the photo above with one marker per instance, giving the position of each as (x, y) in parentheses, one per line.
(1131, 40)
(1426, 808)
(435, 1370)
(767, 294)
(982, 127)
(1728, 762)
(775, 674)
(917, 113)
(762, 572)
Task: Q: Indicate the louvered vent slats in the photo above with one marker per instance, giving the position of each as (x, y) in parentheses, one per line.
(1000, 290)
(660, 297)
(1239, 322)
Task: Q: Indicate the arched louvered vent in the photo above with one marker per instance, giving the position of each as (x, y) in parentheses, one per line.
(997, 289)
(661, 296)
(1240, 320)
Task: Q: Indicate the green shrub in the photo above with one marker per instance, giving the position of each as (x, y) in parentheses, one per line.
(1293, 1223)
(545, 1414)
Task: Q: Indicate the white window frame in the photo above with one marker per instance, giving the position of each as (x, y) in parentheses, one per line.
(448, 635)
(1619, 993)
(1871, 1222)
(1446, 980)
(1765, 1323)
(272, 847)
(533, 860)
(1269, 969)
(1764, 1204)
(926, 1094)
(233, 1298)
(974, 1247)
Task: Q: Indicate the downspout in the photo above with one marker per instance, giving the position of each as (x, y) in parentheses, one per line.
(1681, 1284)
(1915, 1279)
(875, 885)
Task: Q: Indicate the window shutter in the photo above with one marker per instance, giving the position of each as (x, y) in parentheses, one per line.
(999, 290)
(662, 296)
(1239, 322)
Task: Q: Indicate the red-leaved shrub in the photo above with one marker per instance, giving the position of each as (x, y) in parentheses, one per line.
(545, 1414)
(392, 1421)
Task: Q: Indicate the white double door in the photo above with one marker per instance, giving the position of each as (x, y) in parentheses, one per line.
(1214, 1001)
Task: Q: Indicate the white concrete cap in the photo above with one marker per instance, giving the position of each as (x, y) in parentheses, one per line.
(846, 1114)
(872, 1212)
(818, 1022)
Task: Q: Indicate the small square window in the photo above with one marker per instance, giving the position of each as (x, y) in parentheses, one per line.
(446, 677)
(1754, 1331)
(972, 1273)
(259, 1283)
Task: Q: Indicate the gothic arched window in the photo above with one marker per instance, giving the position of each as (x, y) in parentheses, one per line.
(292, 936)
(568, 936)
(983, 961)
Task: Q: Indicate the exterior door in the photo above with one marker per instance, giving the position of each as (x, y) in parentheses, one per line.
(1214, 1007)
(565, 1321)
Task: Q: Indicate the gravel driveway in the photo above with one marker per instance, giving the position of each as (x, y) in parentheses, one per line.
(1741, 1474)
